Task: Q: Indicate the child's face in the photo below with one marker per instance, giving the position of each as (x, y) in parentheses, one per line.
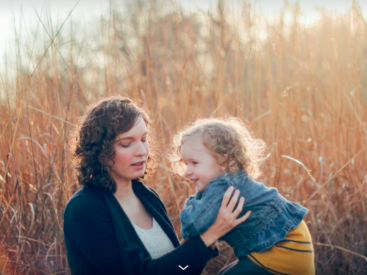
(202, 167)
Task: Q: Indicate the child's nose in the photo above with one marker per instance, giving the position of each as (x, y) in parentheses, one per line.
(188, 171)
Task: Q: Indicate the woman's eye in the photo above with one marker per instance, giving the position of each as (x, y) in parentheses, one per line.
(194, 163)
(125, 146)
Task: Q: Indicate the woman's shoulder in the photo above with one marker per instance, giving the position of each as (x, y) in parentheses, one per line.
(86, 198)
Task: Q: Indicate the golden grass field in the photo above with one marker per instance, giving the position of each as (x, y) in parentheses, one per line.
(302, 88)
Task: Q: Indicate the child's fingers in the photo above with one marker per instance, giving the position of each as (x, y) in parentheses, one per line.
(227, 196)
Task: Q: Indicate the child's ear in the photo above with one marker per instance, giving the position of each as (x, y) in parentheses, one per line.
(224, 166)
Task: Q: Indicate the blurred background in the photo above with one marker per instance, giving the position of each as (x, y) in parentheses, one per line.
(296, 72)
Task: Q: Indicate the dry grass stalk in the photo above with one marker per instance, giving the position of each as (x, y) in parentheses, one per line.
(301, 88)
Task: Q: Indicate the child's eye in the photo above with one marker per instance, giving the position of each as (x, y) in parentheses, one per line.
(194, 162)
(143, 140)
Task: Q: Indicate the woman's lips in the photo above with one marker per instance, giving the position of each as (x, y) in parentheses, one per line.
(138, 164)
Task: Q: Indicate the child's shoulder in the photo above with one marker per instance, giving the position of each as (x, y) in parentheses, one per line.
(217, 186)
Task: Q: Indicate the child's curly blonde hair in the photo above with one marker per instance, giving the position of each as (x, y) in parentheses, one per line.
(230, 141)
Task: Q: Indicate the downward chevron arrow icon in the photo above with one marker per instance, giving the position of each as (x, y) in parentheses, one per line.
(183, 268)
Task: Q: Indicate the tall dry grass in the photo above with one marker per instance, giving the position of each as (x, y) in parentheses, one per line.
(301, 88)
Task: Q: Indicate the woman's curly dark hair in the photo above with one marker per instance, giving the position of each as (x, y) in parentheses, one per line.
(94, 139)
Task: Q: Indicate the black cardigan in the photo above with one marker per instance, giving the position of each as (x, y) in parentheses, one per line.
(100, 238)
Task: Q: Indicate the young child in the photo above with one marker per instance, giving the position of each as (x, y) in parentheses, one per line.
(218, 153)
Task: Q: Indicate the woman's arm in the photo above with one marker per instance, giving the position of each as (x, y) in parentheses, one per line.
(92, 245)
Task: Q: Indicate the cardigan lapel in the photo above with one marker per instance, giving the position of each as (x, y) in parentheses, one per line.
(125, 232)
(151, 204)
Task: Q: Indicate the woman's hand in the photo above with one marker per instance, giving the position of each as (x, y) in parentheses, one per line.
(227, 218)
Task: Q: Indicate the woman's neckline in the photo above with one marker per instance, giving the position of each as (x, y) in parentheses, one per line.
(154, 221)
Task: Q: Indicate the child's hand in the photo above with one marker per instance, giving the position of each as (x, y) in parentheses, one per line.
(182, 241)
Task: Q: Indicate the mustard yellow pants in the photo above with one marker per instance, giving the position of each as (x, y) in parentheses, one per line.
(293, 255)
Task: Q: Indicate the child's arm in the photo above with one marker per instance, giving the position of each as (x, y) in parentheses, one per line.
(199, 215)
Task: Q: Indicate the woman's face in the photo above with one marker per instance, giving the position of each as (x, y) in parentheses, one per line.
(132, 150)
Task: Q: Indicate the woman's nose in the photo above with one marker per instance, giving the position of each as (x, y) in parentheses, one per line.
(141, 150)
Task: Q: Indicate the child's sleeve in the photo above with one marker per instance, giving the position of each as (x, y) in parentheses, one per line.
(198, 215)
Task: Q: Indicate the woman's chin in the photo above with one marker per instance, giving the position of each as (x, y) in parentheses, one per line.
(139, 175)
(138, 172)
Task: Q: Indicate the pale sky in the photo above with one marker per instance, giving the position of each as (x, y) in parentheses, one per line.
(12, 10)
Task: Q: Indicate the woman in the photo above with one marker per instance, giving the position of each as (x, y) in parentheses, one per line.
(116, 224)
